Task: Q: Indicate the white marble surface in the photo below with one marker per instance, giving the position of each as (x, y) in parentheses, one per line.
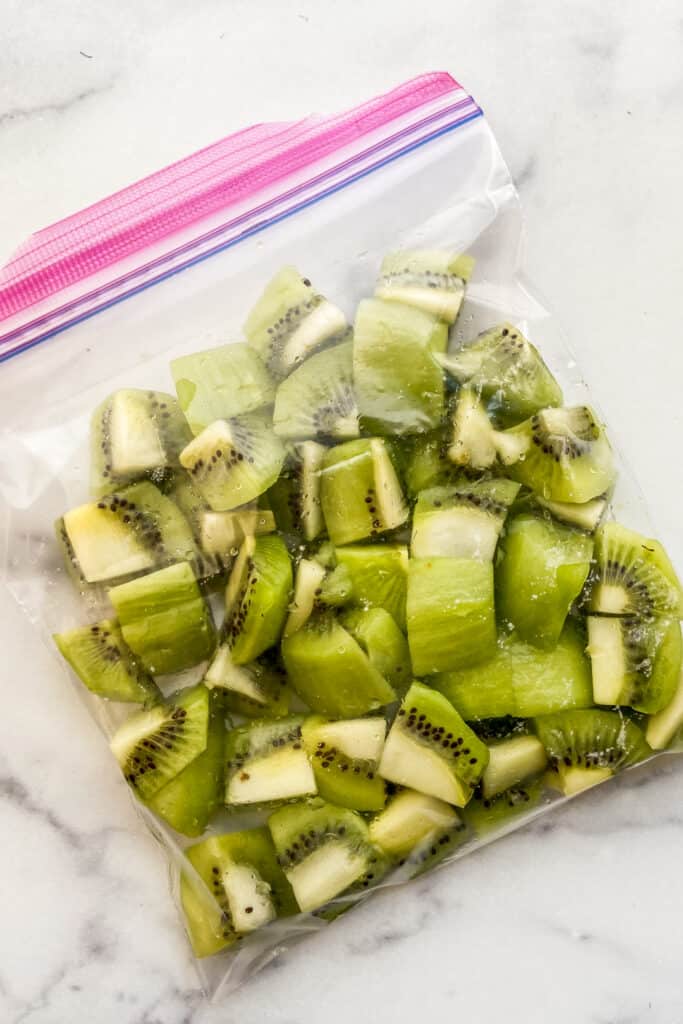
(577, 919)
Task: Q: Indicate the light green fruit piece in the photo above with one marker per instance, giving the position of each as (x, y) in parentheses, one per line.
(511, 762)
(541, 571)
(331, 672)
(665, 725)
(498, 814)
(410, 821)
(345, 757)
(134, 434)
(125, 533)
(257, 597)
(586, 515)
(266, 763)
(360, 491)
(561, 454)
(234, 461)
(318, 399)
(379, 576)
(634, 575)
(399, 386)
(322, 849)
(256, 690)
(236, 887)
(450, 613)
(315, 589)
(189, 801)
(430, 748)
(461, 521)
(474, 441)
(295, 495)
(154, 746)
(290, 321)
(507, 370)
(383, 642)
(521, 680)
(429, 279)
(587, 747)
(99, 656)
(221, 383)
(164, 619)
(635, 661)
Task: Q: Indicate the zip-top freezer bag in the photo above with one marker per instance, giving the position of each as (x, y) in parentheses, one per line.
(345, 565)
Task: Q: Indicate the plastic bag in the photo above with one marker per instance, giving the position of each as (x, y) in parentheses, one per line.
(416, 168)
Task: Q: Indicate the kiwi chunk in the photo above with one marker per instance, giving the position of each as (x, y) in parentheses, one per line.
(134, 434)
(411, 821)
(361, 494)
(474, 441)
(101, 659)
(233, 461)
(266, 763)
(463, 521)
(507, 370)
(586, 747)
(423, 461)
(634, 575)
(450, 613)
(511, 762)
(154, 746)
(430, 748)
(586, 515)
(290, 321)
(315, 589)
(521, 680)
(255, 690)
(331, 672)
(561, 454)
(189, 801)
(542, 571)
(399, 386)
(221, 383)
(497, 814)
(164, 619)
(383, 642)
(295, 495)
(634, 661)
(378, 575)
(665, 725)
(318, 399)
(345, 757)
(235, 887)
(431, 280)
(322, 849)
(129, 532)
(257, 597)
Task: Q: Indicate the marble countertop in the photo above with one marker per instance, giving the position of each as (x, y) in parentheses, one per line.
(575, 919)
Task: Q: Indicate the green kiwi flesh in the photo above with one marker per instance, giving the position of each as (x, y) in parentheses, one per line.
(257, 597)
(430, 748)
(497, 814)
(430, 280)
(99, 656)
(295, 495)
(424, 461)
(256, 689)
(164, 619)
(411, 821)
(316, 588)
(377, 633)
(378, 575)
(635, 661)
(221, 383)
(360, 491)
(586, 515)
(663, 727)
(474, 441)
(266, 763)
(345, 757)
(634, 575)
(511, 762)
(463, 521)
(318, 399)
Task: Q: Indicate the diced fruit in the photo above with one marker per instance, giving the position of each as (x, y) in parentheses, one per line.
(424, 462)
(221, 383)
(361, 494)
(586, 515)
(295, 496)
(100, 658)
(462, 521)
(266, 763)
(378, 574)
(511, 762)
(634, 661)
(497, 814)
(634, 575)
(256, 689)
(257, 597)
(316, 588)
(345, 757)
(663, 727)
(474, 441)
(410, 820)
(383, 642)
(430, 280)
(318, 400)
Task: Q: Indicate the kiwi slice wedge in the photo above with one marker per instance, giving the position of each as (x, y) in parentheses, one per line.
(125, 533)
(411, 821)
(588, 747)
(521, 680)
(154, 746)
(235, 887)
(257, 597)
(561, 454)
(541, 571)
(463, 521)
(164, 619)
(450, 613)
(428, 279)
(345, 757)
(378, 635)
(322, 849)
(295, 495)
(634, 575)
(290, 321)
(474, 440)
(498, 814)
(507, 370)
(189, 801)
(511, 762)
(99, 656)
(586, 515)
(220, 384)
(329, 670)
(398, 384)
(318, 399)
(257, 689)
(663, 727)
(233, 461)
(634, 661)
(360, 491)
(316, 588)
(423, 461)
(378, 575)
(430, 748)
(134, 434)
(266, 763)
